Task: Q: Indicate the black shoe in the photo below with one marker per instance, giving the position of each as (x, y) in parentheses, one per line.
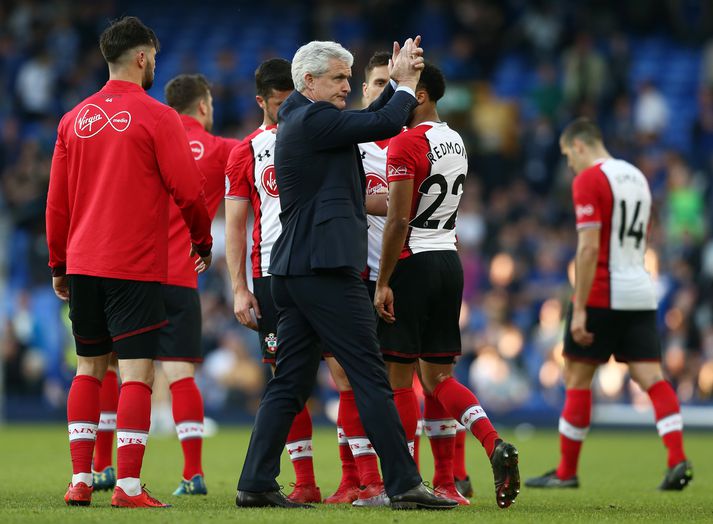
(464, 487)
(420, 497)
(551, 480)
(267, 499)
(677, 477)
(504, 461)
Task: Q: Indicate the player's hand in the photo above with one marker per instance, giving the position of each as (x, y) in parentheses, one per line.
(61, 287)
(243, 302)
(407, 62)
(578, 328)
(384, 303)
(202, 263)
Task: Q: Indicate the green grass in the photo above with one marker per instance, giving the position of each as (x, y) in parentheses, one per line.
(619, 473)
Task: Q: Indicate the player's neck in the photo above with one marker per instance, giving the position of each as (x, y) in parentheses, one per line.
(597, 155)
(135, 77)
(419, 117)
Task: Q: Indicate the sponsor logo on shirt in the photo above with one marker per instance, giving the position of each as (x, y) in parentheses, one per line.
(375, 184)
(269, 182)
(398, 170)
(584, 211)
(91, 119)
(197, 148)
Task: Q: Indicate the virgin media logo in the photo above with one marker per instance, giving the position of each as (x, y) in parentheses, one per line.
(91, 119)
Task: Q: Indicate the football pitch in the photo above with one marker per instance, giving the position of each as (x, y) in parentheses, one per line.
(619, 473)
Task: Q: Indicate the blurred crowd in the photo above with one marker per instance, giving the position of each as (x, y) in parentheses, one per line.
(517, 71)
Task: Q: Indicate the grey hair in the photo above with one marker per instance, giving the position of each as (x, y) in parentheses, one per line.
(314, 58)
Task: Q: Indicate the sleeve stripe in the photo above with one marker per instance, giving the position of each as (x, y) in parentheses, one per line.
(588, 225)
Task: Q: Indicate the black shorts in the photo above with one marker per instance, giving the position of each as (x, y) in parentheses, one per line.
(371, 288)
(267, 325)
(180, 340)
(428, 289)
(631, 336)
(110, 314)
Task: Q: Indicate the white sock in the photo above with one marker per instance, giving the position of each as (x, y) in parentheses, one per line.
(130, 485)
(82, 477)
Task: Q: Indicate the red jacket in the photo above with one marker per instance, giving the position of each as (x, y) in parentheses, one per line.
(118, 155)
(211, 154)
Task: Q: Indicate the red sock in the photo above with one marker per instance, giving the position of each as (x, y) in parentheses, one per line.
(464, 406)
(350, 477)
(441, 431)
(187, 404)
(459, 471)
(82, 421)
(417, 441)
(109, 400)
(133, 419)
(668, 420)
(573, 427)
(362, 450)
(407, 406)
(299, 447)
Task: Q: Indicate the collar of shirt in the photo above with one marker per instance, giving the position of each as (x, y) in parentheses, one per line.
(189, 121)
(122, 86)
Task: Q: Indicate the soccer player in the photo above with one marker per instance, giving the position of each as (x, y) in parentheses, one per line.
(118, 155)
(179, 343)
(251, 183)
(420, 284)
(613, 311)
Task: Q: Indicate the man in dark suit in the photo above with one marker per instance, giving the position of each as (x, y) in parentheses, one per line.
(316, 264)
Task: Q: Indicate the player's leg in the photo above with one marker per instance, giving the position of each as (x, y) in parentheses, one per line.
(299, 439)
(103, 471)
(669, 422)
(348, 490)
(188, 415)
(135, 313)
(93, 346)
(460, 473)
(641, 348)
(179, 349)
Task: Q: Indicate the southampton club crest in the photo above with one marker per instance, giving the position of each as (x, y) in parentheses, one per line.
(271, 341)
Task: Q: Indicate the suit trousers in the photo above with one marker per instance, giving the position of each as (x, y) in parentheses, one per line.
(333, 306)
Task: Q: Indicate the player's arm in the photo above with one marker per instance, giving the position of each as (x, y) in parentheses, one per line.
(395, 232)
(377, 204)
(57, 219)
(236, 218)
(587, 208)
(184, 181)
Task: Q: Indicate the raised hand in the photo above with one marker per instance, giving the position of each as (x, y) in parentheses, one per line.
(407, 62)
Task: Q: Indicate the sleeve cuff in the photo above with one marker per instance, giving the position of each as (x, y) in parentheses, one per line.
(59, 271)
(405, 88)
(204, 251)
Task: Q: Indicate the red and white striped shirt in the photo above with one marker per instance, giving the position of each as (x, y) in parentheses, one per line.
(433, 155)
(373, 158)
(250, 175)
(614, 195)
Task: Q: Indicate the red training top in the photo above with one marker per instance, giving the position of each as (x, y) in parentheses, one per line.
(118, 155)
(211, 154)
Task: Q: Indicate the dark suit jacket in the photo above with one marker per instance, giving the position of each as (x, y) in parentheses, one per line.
(321, 180)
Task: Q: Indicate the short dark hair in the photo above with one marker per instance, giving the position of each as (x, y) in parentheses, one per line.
(583, 129)
(378, 59)
(273, 74)
(184, 91)
(433, 82)
(123, 34)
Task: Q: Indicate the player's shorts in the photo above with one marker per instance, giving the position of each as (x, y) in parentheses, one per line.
(110, 314)
(371, 288)
(180, 340)
(267, 325)
(631, 336)
(428, 289)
